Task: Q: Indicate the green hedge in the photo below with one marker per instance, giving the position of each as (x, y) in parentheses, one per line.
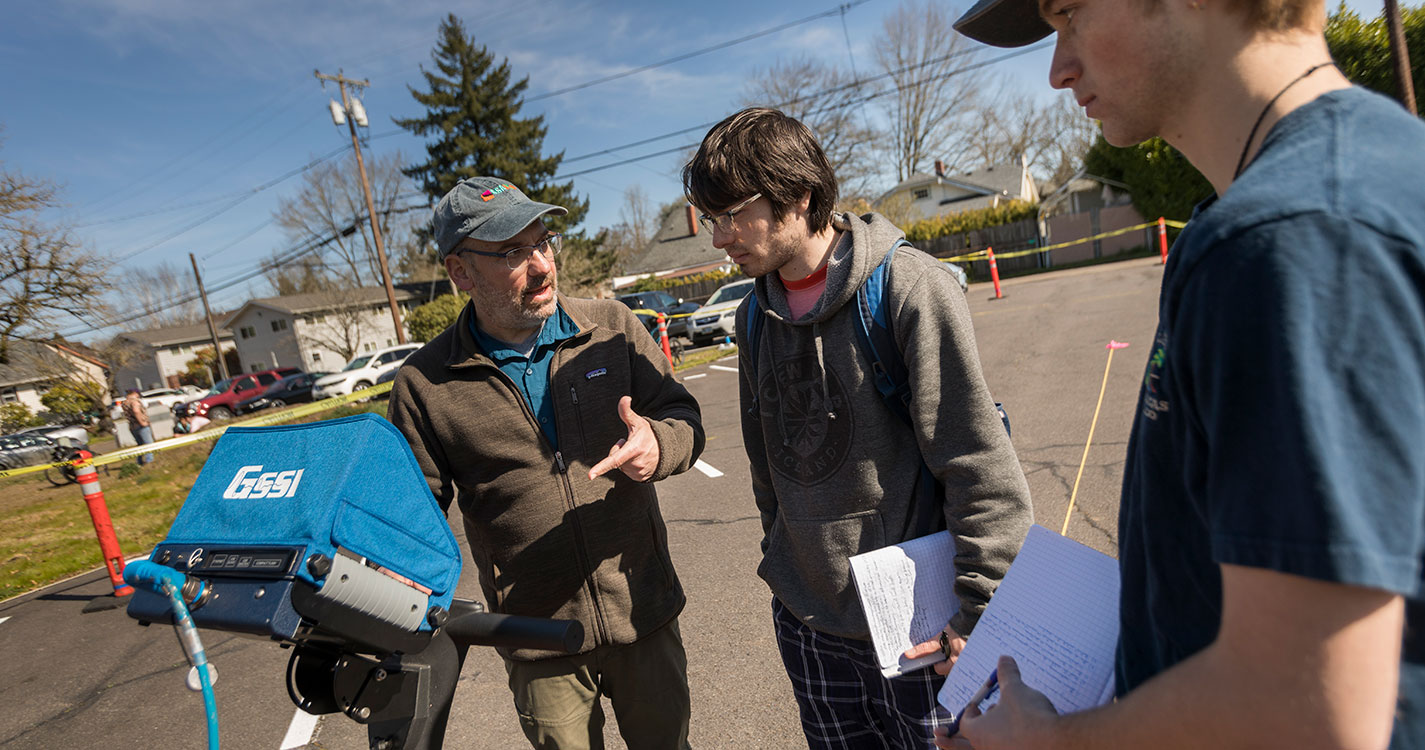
(969, 221)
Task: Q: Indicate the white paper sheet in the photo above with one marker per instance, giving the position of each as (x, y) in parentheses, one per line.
(907, 593)
(1056, 613)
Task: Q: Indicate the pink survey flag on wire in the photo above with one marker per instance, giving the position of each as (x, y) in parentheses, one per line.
(1116, 344)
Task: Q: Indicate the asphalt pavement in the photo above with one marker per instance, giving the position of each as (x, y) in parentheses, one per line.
(100, 680)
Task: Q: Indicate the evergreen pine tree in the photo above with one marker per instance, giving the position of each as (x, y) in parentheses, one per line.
(471, 113)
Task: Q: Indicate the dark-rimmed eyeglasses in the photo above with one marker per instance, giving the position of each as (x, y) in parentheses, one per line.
(724, 220)
(518, 257)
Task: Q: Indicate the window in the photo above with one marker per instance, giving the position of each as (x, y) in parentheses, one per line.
(257, 366)
(248, 332)
(367, 347)
(922, 193)
(9, 395)
(390, 342)
(316, 357)
(266, 378)
(279, 325)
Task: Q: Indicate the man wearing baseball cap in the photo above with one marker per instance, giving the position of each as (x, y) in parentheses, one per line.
(1272, 528)
(549, 418)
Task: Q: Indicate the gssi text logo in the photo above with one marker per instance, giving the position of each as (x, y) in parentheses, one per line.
(248, 484)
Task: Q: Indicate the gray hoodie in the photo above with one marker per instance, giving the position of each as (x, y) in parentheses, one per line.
(835, 472)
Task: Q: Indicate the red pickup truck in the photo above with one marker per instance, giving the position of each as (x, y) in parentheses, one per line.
(217, 404)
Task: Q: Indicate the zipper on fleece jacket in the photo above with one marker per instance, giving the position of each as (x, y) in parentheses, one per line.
(581, 548)
(578, 415)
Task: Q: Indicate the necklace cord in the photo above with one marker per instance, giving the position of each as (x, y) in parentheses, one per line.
(1242, 160)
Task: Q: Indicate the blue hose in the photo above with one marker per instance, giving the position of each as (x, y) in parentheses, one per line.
(168, 582)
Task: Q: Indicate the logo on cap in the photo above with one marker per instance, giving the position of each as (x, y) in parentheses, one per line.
(488, 194)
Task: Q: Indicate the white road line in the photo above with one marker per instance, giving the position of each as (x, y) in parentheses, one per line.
(299, 732)
(707, 469)
(720, 367)
(3, 619)
(695, 377)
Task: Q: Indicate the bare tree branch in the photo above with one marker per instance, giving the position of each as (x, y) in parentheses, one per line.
(920, 52)
(44, 273)
(158, 288)
(842, 129)
(331, 202)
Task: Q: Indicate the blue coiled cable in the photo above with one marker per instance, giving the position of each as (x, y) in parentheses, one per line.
(166, 581)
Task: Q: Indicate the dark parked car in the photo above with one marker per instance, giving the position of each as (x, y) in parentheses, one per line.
(25, 449)
(68, 435)
(661, 302)
(293, 389)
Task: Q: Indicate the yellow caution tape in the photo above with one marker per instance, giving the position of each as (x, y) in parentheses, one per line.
(669, 316)
(983, 255)
(215, 431)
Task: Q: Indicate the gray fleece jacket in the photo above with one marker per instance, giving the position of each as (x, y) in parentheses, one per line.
(835, 472)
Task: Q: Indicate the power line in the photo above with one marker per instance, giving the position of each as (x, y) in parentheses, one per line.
(841, 105)
(679, 58)
(243, 197)
(310, 245)
(131, 190)
(216, 198)
(854, 84)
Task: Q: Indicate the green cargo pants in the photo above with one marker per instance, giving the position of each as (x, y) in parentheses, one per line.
(646, 681)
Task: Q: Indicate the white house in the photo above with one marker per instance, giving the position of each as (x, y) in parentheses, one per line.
(31, 368)
(928, 195)
(158, 355)
(317, 331)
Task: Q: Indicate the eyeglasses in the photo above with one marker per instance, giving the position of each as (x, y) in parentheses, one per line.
(518, 257)
(723, 220)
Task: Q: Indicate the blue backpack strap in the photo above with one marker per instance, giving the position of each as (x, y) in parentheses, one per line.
(751, 334)
(875, 333)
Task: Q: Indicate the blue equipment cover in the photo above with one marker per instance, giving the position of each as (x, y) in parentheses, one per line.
(349, 483)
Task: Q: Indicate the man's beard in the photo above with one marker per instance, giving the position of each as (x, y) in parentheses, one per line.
(508, 308)
(780, 250)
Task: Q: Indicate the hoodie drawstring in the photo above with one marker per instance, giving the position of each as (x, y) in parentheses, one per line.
(821, 367)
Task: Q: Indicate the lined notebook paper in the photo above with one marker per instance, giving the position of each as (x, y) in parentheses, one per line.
(906, 591)
(1056, 613)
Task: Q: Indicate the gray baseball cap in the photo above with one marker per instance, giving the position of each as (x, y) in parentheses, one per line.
(486, 208)
(1004, 23)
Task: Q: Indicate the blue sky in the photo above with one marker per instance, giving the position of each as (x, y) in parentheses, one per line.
(153, 116)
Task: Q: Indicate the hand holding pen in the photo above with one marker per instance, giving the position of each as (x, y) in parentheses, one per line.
(1021, 715)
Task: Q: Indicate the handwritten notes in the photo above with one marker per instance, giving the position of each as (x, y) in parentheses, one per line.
(907, 593)
(1056, 613)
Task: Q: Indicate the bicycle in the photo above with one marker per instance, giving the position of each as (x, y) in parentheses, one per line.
(62, 475)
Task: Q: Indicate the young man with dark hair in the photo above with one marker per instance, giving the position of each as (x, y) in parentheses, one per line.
(549, 418)
(835, 471)
(1272, 529)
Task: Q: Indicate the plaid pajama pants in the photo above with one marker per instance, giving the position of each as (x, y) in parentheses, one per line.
(844, 701)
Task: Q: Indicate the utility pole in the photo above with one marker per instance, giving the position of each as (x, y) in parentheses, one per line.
(208, 313)
(343, 81)
(1400, 55)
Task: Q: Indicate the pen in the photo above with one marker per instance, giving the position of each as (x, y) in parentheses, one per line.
(985, 691)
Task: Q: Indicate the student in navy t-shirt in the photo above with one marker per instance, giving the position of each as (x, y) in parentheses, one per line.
(1272, 527)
